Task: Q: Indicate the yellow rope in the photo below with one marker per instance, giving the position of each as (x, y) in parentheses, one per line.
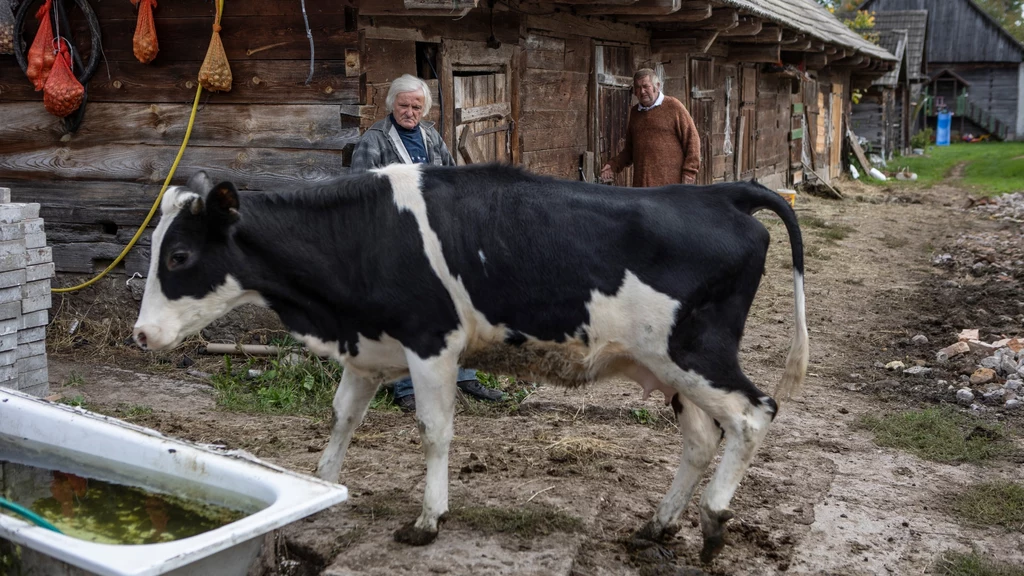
(159, 197)
(152, 210)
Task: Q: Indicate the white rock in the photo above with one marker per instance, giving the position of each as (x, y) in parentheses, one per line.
(895, 365)
(1012, 385)
(917, 371)
(964, 396)
(1012, 404)
(919, 339)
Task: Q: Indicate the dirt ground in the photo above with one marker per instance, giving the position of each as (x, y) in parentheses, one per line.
(820, 497)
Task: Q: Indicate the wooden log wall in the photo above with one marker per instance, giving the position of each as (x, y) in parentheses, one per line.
(270, 131)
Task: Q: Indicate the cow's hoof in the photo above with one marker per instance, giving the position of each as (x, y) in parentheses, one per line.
(713, 526)
(410, 534)
(657, 532)
(648, 551)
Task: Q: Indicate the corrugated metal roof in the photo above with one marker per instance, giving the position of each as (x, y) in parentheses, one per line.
(915, 22)
(894, 41)
(809, 17)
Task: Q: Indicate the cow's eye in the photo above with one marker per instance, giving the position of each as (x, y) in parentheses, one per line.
(177, 260)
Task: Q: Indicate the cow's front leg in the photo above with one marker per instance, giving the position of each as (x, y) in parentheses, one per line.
(350, 403)
(433, 380)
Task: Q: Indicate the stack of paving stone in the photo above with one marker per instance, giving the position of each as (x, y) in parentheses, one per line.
(26, 267)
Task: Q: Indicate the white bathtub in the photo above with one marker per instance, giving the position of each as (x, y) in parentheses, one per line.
(127, 451)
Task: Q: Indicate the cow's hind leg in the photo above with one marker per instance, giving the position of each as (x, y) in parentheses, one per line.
(700, 439)
(350, 403)
(433, 381)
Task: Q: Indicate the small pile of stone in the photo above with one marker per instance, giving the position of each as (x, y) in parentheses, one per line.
(1005, 207)
(999, 378)
(26, 267)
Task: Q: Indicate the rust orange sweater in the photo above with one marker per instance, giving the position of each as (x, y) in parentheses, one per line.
(662, 145)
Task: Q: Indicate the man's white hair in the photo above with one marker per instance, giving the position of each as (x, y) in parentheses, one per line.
(408, 83)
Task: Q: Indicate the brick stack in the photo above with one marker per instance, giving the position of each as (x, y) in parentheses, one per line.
(26, 267)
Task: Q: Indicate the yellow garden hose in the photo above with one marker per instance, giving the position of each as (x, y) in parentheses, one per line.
(152, 210)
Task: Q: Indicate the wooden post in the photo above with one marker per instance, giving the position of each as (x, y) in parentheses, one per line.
(742, 124)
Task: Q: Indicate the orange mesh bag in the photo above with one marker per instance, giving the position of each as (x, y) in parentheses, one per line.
(41, 54)
(144, 44)
(63, 92)
(215, 75)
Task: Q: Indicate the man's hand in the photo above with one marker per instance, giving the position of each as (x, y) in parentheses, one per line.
(606, 173)
(689, 179)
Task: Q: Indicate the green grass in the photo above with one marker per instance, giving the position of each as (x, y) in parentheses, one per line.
(131, 411)
(78, 401)
(939, 434)
(974, 564)
(992, 168)
(283, 385)
(992, 504)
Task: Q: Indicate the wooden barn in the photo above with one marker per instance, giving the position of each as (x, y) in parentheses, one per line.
(885, 113)
(543, 84)
(974, 67)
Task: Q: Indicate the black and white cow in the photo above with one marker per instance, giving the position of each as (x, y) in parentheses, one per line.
(416, 270)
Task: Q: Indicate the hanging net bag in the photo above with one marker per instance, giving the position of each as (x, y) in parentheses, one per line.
(144, 43)
(215, 75)
(6, 27)
(41, 55)
(63, 92)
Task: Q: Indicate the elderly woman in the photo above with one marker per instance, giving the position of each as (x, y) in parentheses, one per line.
(401, 137)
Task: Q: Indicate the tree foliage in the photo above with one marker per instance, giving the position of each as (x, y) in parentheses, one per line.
(860, 21)
(1008, 13)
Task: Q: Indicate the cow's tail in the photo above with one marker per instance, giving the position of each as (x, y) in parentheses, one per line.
(759, 197)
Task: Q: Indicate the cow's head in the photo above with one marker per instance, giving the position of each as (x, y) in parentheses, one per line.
(190, 281)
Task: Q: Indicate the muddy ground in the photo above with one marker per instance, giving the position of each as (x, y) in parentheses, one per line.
(820, 498)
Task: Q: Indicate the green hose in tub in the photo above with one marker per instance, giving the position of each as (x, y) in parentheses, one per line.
(32, 516)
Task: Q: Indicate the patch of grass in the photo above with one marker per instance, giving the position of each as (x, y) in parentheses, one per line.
(813, 222)
(74, 379)
(78, 401)
(524, 522)
(582, 450)
(384, 401)
(939, 434)
(974, 564)
(837, 232)
(992, 168)
(293, 383)
(642, 416)
(992, 504)
(130, 411)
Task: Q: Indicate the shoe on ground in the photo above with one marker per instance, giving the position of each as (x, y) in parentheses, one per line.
(406, 403)
(480, 392)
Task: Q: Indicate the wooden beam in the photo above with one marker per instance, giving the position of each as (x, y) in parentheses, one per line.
(647, 7)
(695, 12)
(417, 7)
(855, 60)
(830, 50)
(770, 53)
(747, 26)
(804, 46)
(768, 35)
(721, 19)
(815, 61)
(695, 41)
(791, 37)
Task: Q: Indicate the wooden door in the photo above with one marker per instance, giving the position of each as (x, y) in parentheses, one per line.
(614, 94)
(702, 106)
(747, 129)
(836, 116)
(483, 109)
(477, 86)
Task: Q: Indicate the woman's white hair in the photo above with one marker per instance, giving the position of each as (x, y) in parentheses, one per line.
(408, 83)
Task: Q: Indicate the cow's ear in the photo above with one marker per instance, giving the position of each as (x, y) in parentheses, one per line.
(200, 183)
(222, 204)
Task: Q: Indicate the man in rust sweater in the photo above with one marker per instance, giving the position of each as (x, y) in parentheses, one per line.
(662, 142)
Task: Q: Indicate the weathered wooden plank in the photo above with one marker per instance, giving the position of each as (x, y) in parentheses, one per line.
(385, 60)
(552, 130)
(248, 168)
(278, 37)
(545, 59)
(28, 124)
(477, 113)
(721, 19)
(692, 12)
(648, 7)
(474, 27)
(561, 163)
(755, 52)
(550, 90)
(747, 26)
(563, 23)
(544, 43)
(255, 82)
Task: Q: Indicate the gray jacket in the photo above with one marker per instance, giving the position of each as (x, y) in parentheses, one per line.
(381, 145)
